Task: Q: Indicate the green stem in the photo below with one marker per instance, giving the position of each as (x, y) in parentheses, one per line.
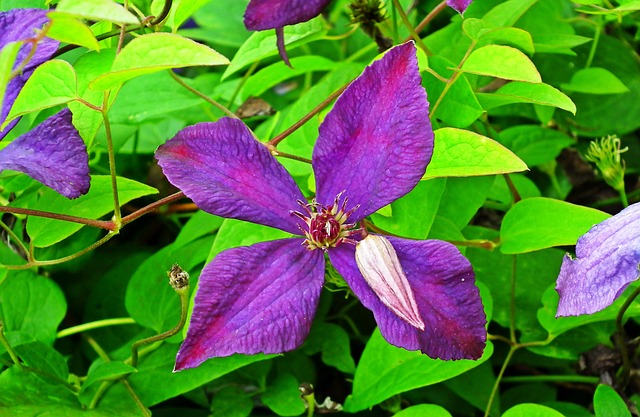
(435, 12)
(242, 82)
(35, 263)
(184, 307)
(454, 77)
(100, 224)
(496, 385)
(112, 163)
(275, 141)
(552, 378)
(512, 301)
(151, 207)
(625, 371)
(594, 44)
(412, 31)
(164, 13)
(15, 238)
(94, 325)
(623, 197)
(8, 347)
(202, 96)
(136, 399)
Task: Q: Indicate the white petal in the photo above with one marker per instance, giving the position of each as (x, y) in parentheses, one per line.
(379, 265)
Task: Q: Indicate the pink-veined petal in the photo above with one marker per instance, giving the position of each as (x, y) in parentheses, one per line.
(227, 172)
(53, 153)
(443, 283)
(259, 298)
(607, 261)
(377, 140)
(379, 265)
(19, 25)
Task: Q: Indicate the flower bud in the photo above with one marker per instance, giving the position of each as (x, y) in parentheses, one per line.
(606, 155)
(379, 265)
(178, 277)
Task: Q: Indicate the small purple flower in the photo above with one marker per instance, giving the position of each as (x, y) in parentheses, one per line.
(53, 152)
(607, 261)
(373, 148)
(275, 14)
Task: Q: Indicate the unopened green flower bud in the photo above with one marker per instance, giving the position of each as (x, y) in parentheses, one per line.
(605, 153)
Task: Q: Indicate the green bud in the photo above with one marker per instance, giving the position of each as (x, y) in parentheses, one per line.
(605, 153)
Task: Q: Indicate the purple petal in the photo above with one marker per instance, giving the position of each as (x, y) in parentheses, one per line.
(459, 5)
(272, 14)
(18, 25)
(52, 153)
(227, 172)
(448, 300)
(282, 50)
(260, 298)
(608, 257)
(377, 140)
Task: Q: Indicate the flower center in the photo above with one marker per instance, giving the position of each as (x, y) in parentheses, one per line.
(327, 226)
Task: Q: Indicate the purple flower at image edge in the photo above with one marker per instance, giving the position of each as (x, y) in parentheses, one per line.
(373, 148)
(53, 152)
(276, 14)
(607, 261)
(459, 5)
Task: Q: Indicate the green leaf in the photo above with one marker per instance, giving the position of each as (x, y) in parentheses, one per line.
(276, 73)
(199, 225)
(46, 359)
(519, 92)
(88, 67)
(234, 233)
(150, 300)
(479, 393)
(538, 223)
(8, 56)
(535, 144)
(385, 370)
(31, 304)
(595, 81)
(155, 380)
(463, 197)
(51, 84)
(423, 410)
(607, 403)
(461, 153)
(97, 10)
(515, 37)
(262, 44)
(156, 52)
(508, 12)
(181, 10)
(414, 213)
(231, 401)
(333, 341)
(93, 205)
(459, 107)
(102, 371)
(558, 43)
(531, 410)
(283, 396)
(502, 62)
(67, 29)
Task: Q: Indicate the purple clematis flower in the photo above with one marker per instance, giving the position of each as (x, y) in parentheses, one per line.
(276, 14)
(607, 261)
(21, 25)
(373, 148)
(53, 152)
